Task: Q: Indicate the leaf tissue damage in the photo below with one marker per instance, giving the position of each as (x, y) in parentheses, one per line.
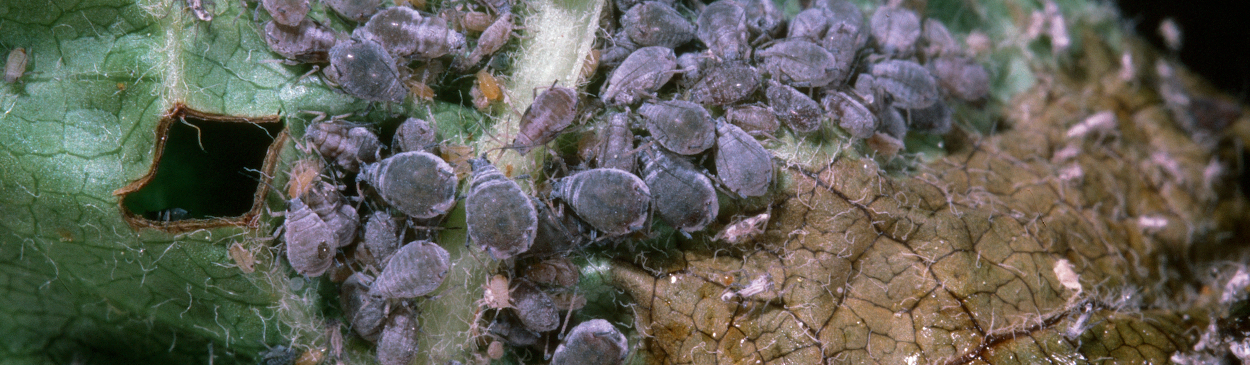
(208, 170)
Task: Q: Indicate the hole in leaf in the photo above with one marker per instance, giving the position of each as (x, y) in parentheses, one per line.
(209, 170)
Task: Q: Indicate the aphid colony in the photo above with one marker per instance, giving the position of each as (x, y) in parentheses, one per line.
(670, 130)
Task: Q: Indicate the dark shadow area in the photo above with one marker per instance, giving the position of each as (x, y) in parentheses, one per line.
(1216, 37)
(207, 167)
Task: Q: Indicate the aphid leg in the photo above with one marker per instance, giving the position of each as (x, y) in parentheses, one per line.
(314, 69)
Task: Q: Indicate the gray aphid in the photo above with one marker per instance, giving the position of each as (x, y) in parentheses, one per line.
(594, 342)
(680, 126)
(690, 65)
(498, 213)
(415, 270)
(414, 134)
(286, 12)
(617, 143)
(800, 63)
(381, 236)
(810, 24)
(892, 123)
(551, 112)
(909, 85)
(555, 271)
(753, 119)
(309, 41)
(15, 65)
(722, 27)
(417, 183)
(846, 26)
(509, 328)
(534, 307)
(397, 345)
(200, 9)
(961, 76)
(395, 28)
(683, 197)
(610, 200)
(357, 10)
(763, 17)
(310, 244)
(896, 30)
(558, 234)
(866, 88)
(725, 83)
(343, 144)
(794, 108)
(742, 164)
(642, 73)
(654, 23)
(364, 69)
(851, 113)
(328, 203)
(366, 313)
(934, 119)
(939, 40)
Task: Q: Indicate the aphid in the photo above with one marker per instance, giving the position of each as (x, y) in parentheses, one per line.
(884, 144)
(555, 271)
(303, 173)
(794, 108)
(654, 23)
(961, 76)
(551, 112)
(938, 39)
(744, 230)
(286, 12)
(909, 85)
(558, 234)
(342, 220)
(895, 29)
(364, 69)
(753, 119)
(757, 286)
(851, 113)
(242, 258)
(495, 293)
(397, 344)
(357, 10)
(201, 9)
(742, 164)
(309, 41)
(486, 90)
(810, 24)
(935, 118)
(534, 307)
(420, 90)
(15, 66)
(415, 270)
(680, 126)
(800, 63)
(334, 334)
(366, 313)
(476, 21)
(309, 241)
(414, 134)
(395, 28)
(610, 200)
(311, 356)
(418, 184)
(846, 34)
(725, 83)
(347, 146)
(381, 236)
(684, 198)
(763, 17)
(497, 212)
(892, 123)
(722, 27)
(495, 350)
(491, 40)
(594, 342)
(458, 157)
(590, 65)
(509, 328)
(642, 73)
(617, 144)
(690, 65)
